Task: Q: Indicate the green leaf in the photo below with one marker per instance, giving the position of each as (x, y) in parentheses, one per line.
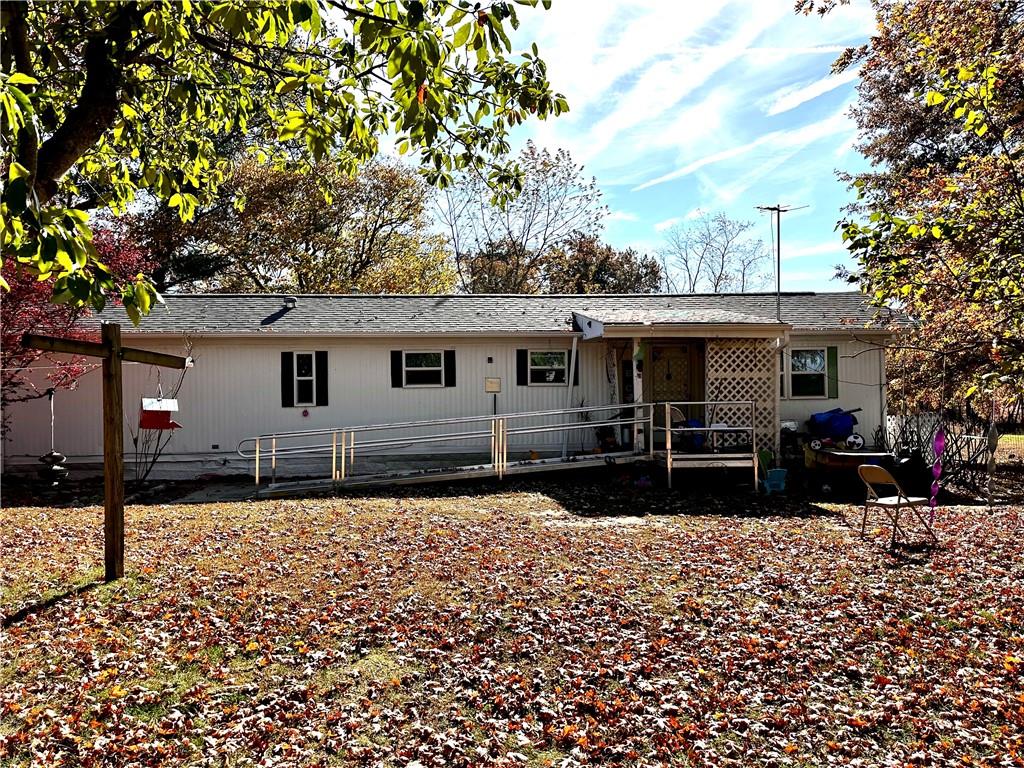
(19, 78)
(462, 34)
(288, 85)
(16, 194)
(18, 171)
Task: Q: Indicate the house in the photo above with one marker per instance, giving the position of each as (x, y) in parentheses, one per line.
(273, 364)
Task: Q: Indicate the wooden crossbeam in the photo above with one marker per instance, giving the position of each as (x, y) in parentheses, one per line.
(96, 349)
(112, 354)
(65, 346)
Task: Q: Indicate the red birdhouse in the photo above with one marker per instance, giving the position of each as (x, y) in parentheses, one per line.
(156, 413)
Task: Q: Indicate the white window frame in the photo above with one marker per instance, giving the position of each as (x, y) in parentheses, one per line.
(823, 373)
(296, 378)
(783, 381)
(530, 367)
(405, 368)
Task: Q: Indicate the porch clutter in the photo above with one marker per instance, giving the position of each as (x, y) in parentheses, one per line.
(773, 479)
(835, 427)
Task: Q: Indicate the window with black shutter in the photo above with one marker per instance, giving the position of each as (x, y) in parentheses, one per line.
(545, 367)
(422, 368)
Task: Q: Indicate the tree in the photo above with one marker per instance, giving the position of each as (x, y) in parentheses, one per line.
(502, 246)
(713, 253)
(26, 308)
(938, 225)
(586, 265)
(124, 96)
(183, 256)
(372, 234)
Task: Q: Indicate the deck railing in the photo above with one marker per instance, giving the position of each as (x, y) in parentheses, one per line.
(345, 444)
(718, 440)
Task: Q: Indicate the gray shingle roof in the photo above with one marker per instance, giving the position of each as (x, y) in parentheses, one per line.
(360, 314)
(644, 316)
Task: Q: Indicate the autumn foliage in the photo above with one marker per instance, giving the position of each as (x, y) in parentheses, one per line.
(515, 627)
(27, 308)
(937, 227)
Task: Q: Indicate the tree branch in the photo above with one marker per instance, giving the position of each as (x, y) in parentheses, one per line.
(96, 110)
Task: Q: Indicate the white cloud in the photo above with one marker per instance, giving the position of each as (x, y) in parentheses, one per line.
(627, 71)
(829, 247)
(786, 99)
(719, 98)
(778, 142)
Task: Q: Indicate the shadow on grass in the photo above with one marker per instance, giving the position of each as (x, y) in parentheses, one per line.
(628, 490)
(43, 605)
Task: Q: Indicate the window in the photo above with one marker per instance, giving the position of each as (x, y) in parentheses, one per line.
(808, 373)
(305, 379)
(423, 369)
(548, 367)
(782, 374)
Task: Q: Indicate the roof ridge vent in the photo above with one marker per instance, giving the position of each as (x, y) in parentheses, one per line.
(290, 302)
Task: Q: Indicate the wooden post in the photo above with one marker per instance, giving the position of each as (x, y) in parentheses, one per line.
(113, 456)
(112, 354)
(668, 442)
(753, 444)
(638, 397)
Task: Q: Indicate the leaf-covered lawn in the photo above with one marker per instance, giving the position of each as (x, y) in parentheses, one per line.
(501, 629)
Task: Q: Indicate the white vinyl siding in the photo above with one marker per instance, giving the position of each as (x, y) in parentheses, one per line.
(860, 368)
(234, 392)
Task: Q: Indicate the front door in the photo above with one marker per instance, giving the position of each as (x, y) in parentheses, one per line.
(668, 379)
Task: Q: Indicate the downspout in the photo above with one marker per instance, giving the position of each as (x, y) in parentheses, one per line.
(568, 393)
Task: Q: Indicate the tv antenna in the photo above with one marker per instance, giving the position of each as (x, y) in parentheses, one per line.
(778, 209)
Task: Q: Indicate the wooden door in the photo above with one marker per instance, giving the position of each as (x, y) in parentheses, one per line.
(669, 380)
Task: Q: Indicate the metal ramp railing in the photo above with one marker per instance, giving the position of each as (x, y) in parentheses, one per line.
(344, 445)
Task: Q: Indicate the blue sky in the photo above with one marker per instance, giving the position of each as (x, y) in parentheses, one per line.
(684, 106)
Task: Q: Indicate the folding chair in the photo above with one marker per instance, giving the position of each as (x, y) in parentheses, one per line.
(874, 476)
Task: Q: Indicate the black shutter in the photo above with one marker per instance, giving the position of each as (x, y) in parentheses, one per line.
(320, 360)
(575, 369)
(396, 368)
(287, 379)
(449, 367)
(832, 368)
(522, 367)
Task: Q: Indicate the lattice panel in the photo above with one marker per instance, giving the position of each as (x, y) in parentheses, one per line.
(744, 369)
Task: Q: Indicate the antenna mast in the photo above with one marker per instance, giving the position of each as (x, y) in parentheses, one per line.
(778, 209)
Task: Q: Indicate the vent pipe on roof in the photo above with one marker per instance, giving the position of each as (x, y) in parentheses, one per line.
(290, 302)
